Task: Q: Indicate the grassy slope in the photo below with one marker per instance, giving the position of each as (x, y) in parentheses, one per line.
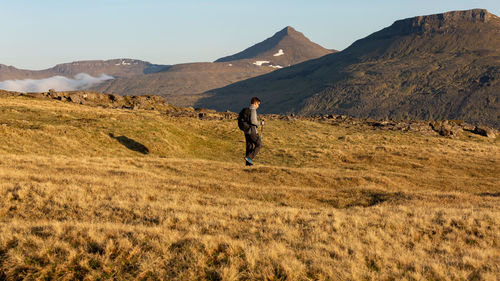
(324, 202)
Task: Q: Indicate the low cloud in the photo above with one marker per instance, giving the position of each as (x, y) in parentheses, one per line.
(58, 83)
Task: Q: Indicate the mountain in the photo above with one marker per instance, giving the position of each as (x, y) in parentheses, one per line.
(286, 47)
(114, 67)
(184, 84)
(443, 66)
(8, 72)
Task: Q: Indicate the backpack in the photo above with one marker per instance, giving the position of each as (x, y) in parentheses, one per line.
(244, 119)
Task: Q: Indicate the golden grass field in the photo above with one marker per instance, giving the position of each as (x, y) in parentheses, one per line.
(108, 194)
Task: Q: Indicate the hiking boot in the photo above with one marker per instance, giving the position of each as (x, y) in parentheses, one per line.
(249, 161)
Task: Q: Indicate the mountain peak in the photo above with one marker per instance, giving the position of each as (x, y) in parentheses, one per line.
(291, 45)
(288, 31)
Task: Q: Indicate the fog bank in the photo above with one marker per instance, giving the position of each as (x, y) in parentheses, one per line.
(59, 83)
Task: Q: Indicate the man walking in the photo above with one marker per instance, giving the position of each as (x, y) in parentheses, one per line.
(253, 141)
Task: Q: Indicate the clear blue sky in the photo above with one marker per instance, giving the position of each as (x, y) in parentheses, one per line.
(39, 34)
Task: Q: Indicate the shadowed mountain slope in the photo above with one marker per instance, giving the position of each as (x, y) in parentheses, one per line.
(443, 66)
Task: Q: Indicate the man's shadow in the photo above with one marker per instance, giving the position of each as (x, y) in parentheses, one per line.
(131, 144)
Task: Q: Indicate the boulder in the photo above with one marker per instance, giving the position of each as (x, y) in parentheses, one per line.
(446, 129)
(485, 131)
(76, 98)
(422, 128)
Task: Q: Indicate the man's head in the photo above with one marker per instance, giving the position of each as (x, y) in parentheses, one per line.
(255, 102)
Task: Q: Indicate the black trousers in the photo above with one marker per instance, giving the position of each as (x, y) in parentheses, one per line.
(253, 143)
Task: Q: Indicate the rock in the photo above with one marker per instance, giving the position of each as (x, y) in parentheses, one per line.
(112, 97)
(76, 98)
(206, 110)
(467, 127)
(446, 129)
(229, 115)
(457, 122)
(422, 128)
(485, 131)
(286, 118)
(401, 126)
(379, 123)
(34, 95)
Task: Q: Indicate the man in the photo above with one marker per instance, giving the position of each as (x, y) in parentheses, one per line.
(253, 141)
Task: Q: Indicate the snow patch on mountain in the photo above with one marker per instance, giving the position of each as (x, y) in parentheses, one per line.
(124, 63)
(261, 62)
(279, 53)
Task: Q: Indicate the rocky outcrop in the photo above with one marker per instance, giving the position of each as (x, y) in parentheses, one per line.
(148, 102)
(445, 128)
(485, 131)
(445, 22)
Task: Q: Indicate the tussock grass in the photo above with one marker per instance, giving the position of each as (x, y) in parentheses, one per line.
(324, 202)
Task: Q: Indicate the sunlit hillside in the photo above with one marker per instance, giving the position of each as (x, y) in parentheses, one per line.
(89, 193)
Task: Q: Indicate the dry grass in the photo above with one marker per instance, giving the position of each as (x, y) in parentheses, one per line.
(323, 203)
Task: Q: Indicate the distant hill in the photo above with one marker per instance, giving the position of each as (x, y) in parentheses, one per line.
(184, 84)
(114, 67)
(443, 66)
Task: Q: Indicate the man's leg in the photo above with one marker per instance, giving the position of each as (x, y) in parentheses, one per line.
(249, 149)
(257, 144)
(249, 145)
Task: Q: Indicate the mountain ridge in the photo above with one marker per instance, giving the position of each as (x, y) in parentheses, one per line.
(184, 84)
(442, 66)
(121, 67)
